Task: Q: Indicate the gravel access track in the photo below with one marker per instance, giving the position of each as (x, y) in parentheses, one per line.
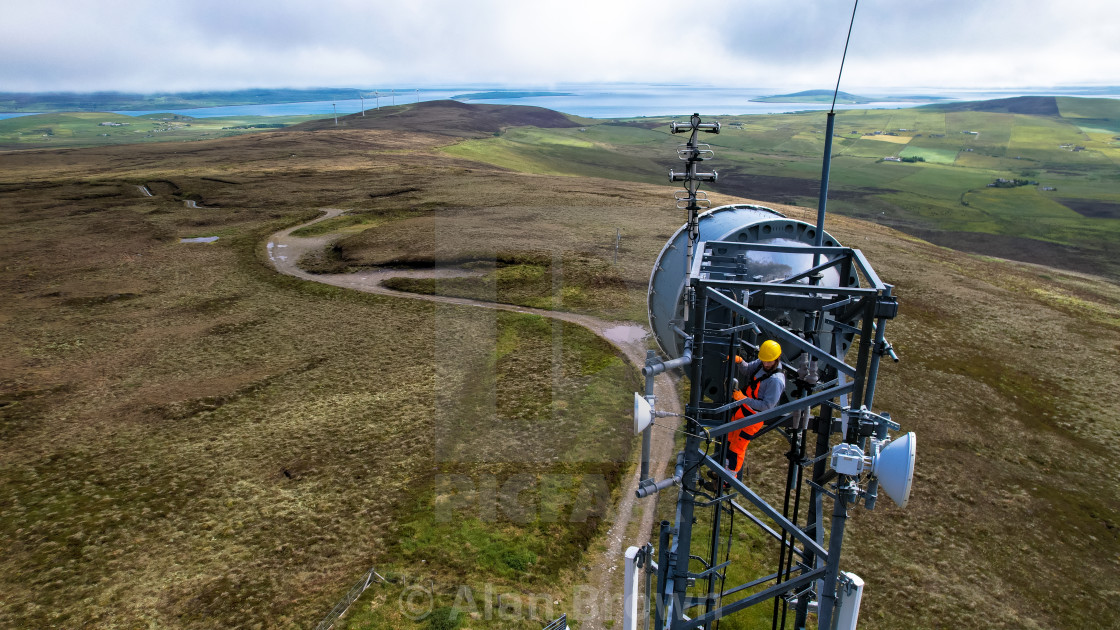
(605, 571)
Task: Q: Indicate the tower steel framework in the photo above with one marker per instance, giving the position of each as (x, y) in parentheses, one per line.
(738, 293)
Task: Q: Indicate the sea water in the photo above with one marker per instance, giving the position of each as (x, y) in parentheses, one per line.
(628, 101)
(618, 100)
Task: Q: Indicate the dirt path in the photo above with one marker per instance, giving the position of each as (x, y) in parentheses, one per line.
(605, 573)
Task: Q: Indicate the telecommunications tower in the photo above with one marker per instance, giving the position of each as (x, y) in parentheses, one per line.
(728, 280)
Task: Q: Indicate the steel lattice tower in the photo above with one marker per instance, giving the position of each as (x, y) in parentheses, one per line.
(749, 274)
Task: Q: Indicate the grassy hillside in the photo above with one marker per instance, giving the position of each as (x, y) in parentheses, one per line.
(193, 441)
(1067, 216)
(84, 129)
(449, 118)
(993, 428)
(1065, 148)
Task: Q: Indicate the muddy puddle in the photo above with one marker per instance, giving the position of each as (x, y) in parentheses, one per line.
(625, 334)
(199, 239)
(274, 252)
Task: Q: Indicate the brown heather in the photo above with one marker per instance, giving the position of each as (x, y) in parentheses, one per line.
(191, 440)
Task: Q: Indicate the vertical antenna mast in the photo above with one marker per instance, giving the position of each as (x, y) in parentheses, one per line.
(689, 199)
(829, 129)
(693, 154)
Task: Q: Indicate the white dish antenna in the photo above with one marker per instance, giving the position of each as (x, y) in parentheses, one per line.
(894, 468)
(643, 414)
(892, 465)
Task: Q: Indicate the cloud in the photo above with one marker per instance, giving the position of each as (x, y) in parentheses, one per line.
(210, 44)
(948, 43)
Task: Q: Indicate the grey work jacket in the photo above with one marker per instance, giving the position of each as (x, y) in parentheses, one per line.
(769, 390)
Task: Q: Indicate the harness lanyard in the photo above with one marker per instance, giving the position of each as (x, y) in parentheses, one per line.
(752, 389)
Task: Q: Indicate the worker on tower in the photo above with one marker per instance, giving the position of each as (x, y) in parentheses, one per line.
(763, 383)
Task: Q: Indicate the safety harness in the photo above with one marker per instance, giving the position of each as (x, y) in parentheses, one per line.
(737, 441)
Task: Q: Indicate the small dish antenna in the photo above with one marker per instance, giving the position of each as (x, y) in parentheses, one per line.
(891, 463)
(643, 414)
(894, 468)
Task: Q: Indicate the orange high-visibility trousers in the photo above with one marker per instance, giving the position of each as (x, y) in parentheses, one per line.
(737, 441)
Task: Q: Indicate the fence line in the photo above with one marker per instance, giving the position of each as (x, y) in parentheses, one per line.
(342, 606)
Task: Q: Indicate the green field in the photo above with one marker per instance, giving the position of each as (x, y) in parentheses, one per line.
(777, 158)
(84, 129)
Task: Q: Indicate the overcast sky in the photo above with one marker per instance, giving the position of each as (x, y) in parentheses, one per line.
(170, 45)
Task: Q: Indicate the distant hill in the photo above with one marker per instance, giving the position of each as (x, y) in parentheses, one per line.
(450, 118)
(1033, 105)
(814, 96)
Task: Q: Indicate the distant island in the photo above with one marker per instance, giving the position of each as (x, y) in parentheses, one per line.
(843, 98)
(814, 96)
(500, 94)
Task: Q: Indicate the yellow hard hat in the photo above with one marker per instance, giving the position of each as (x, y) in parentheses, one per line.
(769, 350)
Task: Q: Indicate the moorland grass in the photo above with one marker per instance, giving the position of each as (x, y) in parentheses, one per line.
(586, 283)
(195, 441)
(973, 327)
(252, 414)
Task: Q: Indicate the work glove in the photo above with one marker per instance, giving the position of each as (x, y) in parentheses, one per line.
(738, 359)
